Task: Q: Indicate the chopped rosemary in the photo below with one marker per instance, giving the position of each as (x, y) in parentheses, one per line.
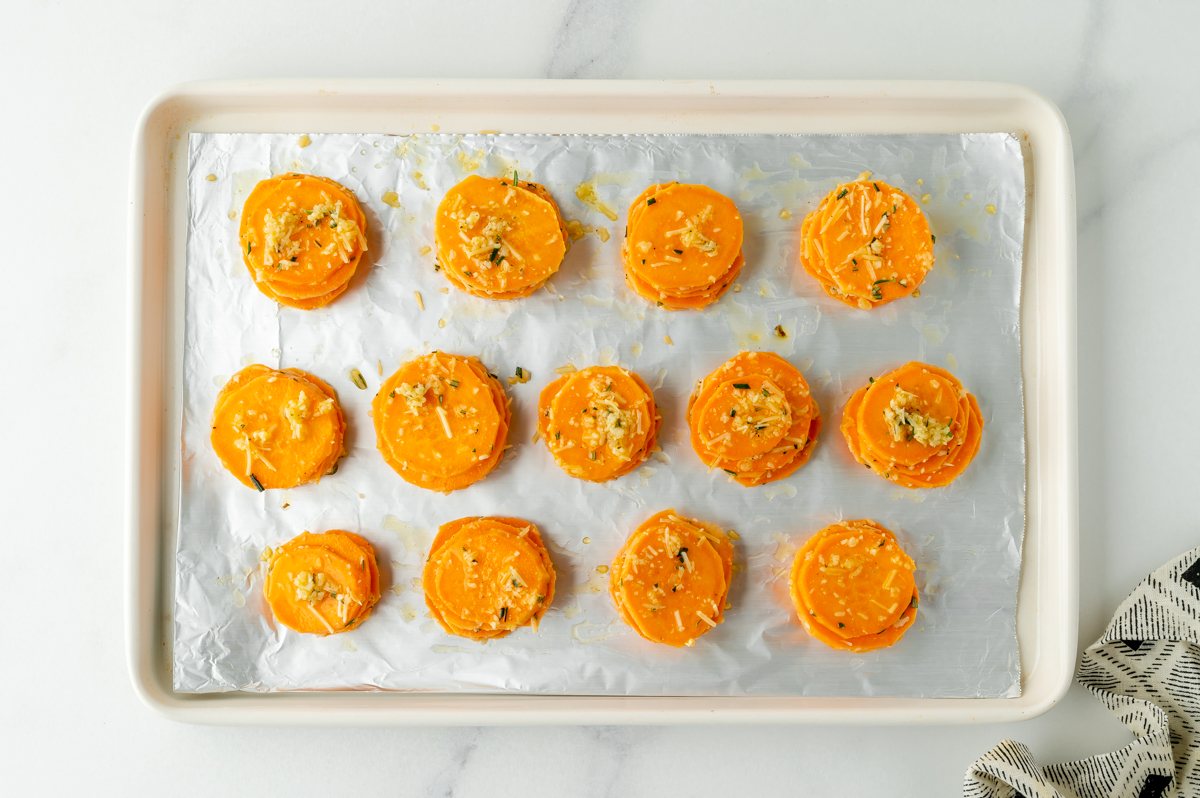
(257, 484)
(742, 386)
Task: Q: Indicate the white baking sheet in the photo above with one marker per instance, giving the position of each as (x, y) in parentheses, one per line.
(966, 538)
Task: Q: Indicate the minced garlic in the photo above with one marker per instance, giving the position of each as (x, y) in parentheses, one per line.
(414, 395)
(904, 412)
(691, 236)
(296, 413)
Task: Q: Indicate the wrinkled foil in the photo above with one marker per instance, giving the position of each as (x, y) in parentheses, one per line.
(965, 538)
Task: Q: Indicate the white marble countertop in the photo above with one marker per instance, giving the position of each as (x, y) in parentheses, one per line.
(79, 73)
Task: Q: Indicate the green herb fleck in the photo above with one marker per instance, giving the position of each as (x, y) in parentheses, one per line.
(843, 193)
(651, 201)
(742, 386)
(257, 484)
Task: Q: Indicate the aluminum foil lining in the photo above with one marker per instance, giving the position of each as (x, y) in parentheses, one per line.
(965, 538)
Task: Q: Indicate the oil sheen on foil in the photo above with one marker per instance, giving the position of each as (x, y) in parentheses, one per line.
(965, 538)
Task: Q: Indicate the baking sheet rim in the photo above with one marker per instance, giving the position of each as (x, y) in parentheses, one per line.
(814, 107)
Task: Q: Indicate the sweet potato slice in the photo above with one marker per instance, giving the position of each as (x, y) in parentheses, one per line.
(372, 560)
(695, 300)
(955, 463)
(857, 582)
(865, 595)
(437, 416)
(277, 430)
(812, 255)
(774, 469)
(311, 303)
(793, 447)
(336, 452)
(355, 550)
(865, 643)
(875, 242)
(598, 422)
(545, 399)
(688, 235)
(302, 238)
(744, 417)
(498, 238)
(671, 578)
(312, 590)
(925, 395)
(488, 576)
(931, 392)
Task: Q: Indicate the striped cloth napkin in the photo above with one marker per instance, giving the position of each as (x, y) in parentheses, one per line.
(1146, 669)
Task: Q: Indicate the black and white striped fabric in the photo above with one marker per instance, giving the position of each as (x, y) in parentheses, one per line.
(1146, 669)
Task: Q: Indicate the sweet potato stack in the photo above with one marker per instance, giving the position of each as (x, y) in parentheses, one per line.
(599, 423)
(441, 421)
(486, 577)
(302, 239)
(853, 586)
(754, 418)
(322, 584)
(866, 244)
(683, 245)
(499, 238)
(916, 426)
(277, 429)
(671, 578)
